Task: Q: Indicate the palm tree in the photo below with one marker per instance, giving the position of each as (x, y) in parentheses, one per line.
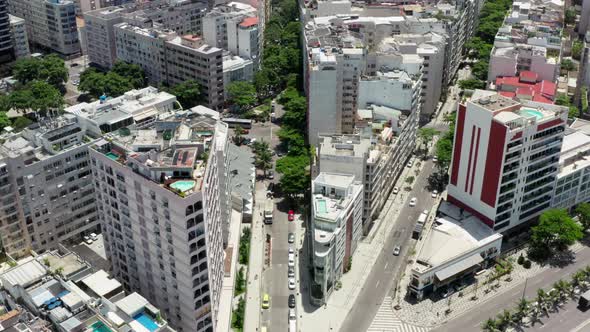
(542, 299)
(263, 161)
(523, 310)
(238, 132)
(579, 280)
(490, 325)
(505, 319)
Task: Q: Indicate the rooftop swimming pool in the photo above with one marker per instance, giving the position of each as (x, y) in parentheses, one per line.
(322, 206)
(146, 321)
(530, 112)
(112, 156)
(183, 185)
(99, 327)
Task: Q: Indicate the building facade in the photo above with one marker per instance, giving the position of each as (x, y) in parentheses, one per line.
(20, 41)
(100, 35)
(6, 43)
(511, 181)
(161, 193)
(50, 24)
(47, 186)
(337, 206)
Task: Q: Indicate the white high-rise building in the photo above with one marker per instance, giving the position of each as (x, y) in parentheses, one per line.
(20, 41)
(337, 209)
(50, 23)
(162, 196)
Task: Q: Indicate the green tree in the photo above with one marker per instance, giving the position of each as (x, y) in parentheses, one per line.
(115, 85)
(294, 181)
(4, 121)
(20, 100)
(292, 141)
(505, 319)
(242, 94)
(490, 325)
(583, 213)
(555, 232)
(92, 82)
(45, 97)
(26, 70)
(188, 94)
(238, 134)
(295, 113)
(570, 16)
(562, 100)
(426, 135)
(577, 47)
(472, 84)
(444, 151)
(132, 73)
(50, 69)
(584, 99)
(480, 70)
(21, 123)
(568, 65)
(573, 112)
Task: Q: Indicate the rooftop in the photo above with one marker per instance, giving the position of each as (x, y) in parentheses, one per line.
(344, 145)
(172, 151)
(526, 87)
(450, 239)
(575, 152)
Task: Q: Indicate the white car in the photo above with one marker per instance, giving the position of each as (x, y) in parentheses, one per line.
(434, 193)
(396, 250)
(413, 201)
(434, 159)
(425, 212)
(395, 190)
(87, 240)
(291, 259)
(93, 236)
(291, 250)
(291, 283)
(292, 315)
(410, 163)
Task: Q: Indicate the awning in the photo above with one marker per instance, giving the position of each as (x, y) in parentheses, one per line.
(458, 267)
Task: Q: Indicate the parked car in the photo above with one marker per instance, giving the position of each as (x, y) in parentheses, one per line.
(252, 141)
(291, 238)
(291, 283)
(291, 216)
(447, 292)
(270, 175)
(434, 193)
(395, 190)
(87, 240)
(396, 250)
(265, 301)
(291, 301)
(292, 315)
(270, 190)
(93, 236)
(292, 260)
(413, 201)
(434, 159)
(291, 250)
(291, 272)
(426, 212)
(410, 163)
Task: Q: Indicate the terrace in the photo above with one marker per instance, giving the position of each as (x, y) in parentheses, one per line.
(173, 152)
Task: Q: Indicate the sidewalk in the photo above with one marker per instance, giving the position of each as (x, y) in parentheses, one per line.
(256, 264)
(227, 291)
(340, 302)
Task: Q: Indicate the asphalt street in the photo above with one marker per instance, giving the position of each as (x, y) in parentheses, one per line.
(567, 320)
(75, 67)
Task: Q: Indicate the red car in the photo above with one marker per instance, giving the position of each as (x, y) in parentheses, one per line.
(291, 215)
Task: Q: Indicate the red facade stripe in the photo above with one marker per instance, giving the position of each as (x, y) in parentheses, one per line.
(458, 144)
(517, 136)
(467, 180)
(549, 124)
(475, 161)
(493, 167)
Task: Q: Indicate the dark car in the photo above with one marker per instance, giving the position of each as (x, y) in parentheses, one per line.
(291, 301)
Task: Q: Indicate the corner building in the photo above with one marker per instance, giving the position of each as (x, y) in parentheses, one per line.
(505, 158)
(160, 194)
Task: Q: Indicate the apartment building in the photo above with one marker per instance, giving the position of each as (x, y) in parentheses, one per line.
(67, 294)
(51, 24)
(162, 193)
(509, 182)
(83, 6)
(173, 59)
(47, 186)
(182, 17)
(20, 41)
(584, 18)
(6, 44)
(100, 35)
(337, 205)
(510, 61)
(573, 180)
(234, 27)
(236, 69)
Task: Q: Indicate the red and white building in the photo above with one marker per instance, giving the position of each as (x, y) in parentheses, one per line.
(505, 158)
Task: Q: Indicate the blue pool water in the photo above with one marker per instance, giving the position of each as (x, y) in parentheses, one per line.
(530, 112)
(183, 185)
(322, 207)
(146, 321)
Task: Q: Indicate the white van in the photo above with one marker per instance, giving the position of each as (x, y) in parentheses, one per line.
(292, 326)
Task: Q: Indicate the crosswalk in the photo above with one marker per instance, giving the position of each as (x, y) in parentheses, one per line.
(386, 321)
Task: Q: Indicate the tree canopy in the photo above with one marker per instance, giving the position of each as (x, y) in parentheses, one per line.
(472, 84)
(555, 232)
(242, 94)
(188, 93)
(583, 213)
(122, 78)
(50, 68)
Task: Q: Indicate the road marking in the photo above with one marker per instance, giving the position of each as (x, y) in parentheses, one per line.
(377, 284)
(386, 264)
(579, 327)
